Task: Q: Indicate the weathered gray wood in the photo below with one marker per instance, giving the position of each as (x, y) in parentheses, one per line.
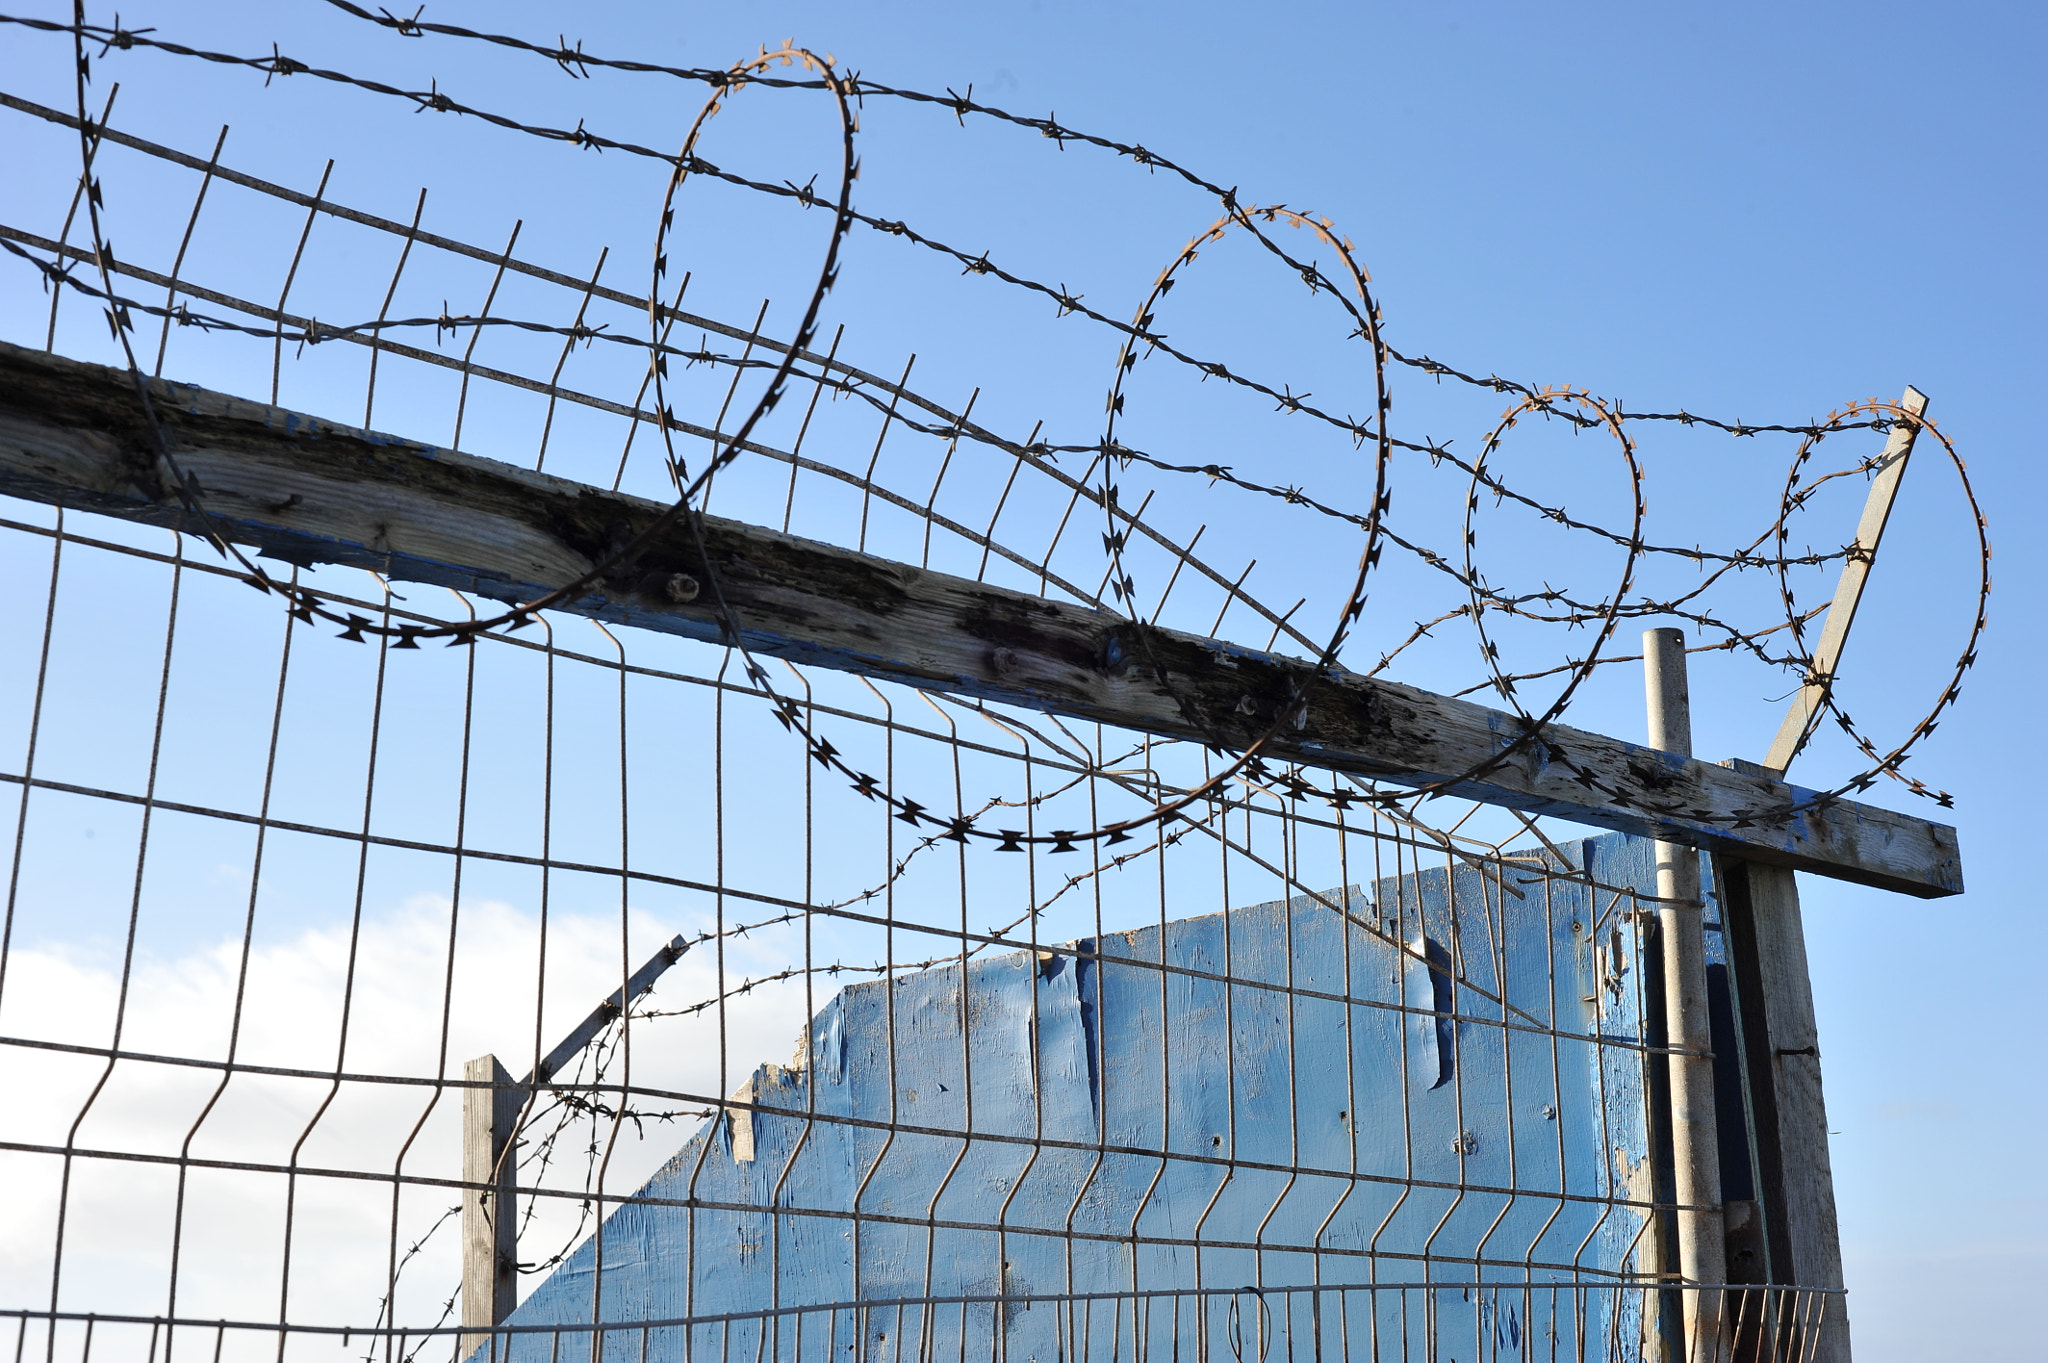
(640, 982)
(1788, 1106)
(1802, 1135)
(490, 1232)
(1834, 632)
(307, 490)
(1768, 948)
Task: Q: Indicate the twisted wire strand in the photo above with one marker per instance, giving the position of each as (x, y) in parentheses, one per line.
(1575, 407)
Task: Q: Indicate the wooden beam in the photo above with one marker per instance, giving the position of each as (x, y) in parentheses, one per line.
(312, 491)
(1834, 631)
(601, 1016)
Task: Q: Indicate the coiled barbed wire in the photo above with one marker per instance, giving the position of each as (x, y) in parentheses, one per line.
(1573, 406)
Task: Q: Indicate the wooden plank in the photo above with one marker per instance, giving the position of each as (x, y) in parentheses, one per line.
(600, 1017)
(307, 490)
(1767, 946)
(1834, 633)
(1068, 1058)
(490, 1232)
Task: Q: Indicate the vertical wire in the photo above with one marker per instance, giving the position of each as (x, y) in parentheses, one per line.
(1230, 599)
(163, 339)
(291, 275)
(547, 885)
(439, 1090)
(134, 919)
(625, 1046)
(1448, 925)
(656, 362)
(384, 310)
(1228, 1137)
(931, 501)
(867, 482)
(28, 769)
(1080, 489)
(1097, 1063)
(241, 977)
(796, 446)
(1033, 1065)
(889, 1031)
(84, 187)
(476, 334)
(809, 1054)
(739, 371)
(568, 346)
(1403, 891)
(718, 922)
(1290, 861)
(1128, 596)
(965, 1015)
(988, 536)
(348, 988)
(1349, 1116)
(1144, 1199)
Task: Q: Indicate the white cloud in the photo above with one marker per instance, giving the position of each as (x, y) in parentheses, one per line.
(118, 1239)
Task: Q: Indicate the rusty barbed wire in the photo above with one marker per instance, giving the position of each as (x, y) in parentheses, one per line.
(1211, 801)
(1575, 407)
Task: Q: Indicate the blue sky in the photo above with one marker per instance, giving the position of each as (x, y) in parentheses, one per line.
(1752, 211)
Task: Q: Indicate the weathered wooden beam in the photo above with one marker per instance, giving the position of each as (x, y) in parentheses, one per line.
(601, 1016)
(1834, 633)
(307, 490)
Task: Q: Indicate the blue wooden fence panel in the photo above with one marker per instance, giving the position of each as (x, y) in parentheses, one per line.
(1437, 1094)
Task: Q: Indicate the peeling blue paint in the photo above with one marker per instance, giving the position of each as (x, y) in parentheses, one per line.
(1330, 1121)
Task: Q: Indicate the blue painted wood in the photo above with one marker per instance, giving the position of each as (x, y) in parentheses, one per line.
(1412, 1091)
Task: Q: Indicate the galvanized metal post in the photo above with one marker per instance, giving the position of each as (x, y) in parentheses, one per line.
(490, 1234)
(1696, 1160)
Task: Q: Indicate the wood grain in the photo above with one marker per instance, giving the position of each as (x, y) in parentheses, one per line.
(312, 491)
(1834, 634)
(490, 1238)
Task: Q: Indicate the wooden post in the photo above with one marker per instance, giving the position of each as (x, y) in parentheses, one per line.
(1695, 1136)
(1834, 631)
(1770, 947)
(490, 1236)
(1767, 944)
(490, 1229)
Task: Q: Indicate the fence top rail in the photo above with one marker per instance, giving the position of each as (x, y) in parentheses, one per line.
(307, 490)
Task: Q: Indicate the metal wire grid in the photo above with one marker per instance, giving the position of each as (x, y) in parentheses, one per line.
(555, 780)
(1283, 1323)
(1050, 494)
(596, 312)
(778, 916)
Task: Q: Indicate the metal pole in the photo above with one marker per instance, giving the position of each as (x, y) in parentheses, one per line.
(1696, 1158)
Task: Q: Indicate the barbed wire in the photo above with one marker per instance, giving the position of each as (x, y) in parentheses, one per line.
(1141, 338)
(568, 1128)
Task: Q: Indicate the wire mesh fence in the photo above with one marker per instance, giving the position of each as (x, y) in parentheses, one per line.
(942, 1027)
(1386, 1320)
(248, 1049)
